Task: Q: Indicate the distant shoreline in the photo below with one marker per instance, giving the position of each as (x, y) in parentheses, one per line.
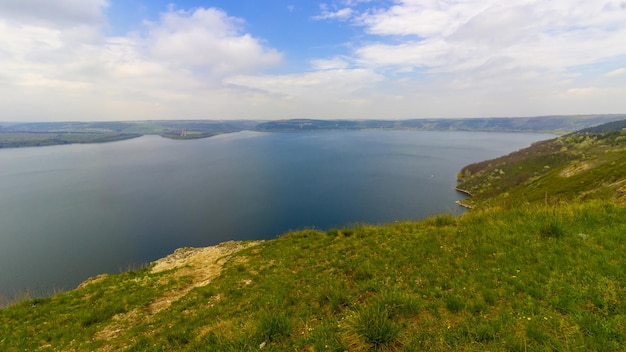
(39, 134)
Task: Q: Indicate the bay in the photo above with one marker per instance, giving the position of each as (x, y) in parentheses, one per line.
(75, 211)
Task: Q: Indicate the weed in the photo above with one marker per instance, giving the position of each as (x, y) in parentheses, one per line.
(445, 220)
(454, 303)
(373, 323)
(336, 296)
(326, 337)
(273, 325)
(552, 230)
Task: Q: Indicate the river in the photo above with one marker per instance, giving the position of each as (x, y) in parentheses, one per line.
(74, 211)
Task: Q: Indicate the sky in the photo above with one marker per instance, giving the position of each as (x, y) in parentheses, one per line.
(98, 60)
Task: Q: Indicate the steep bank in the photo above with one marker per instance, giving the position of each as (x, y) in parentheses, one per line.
(576, 167)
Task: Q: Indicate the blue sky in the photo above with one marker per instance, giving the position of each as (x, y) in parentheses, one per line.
(276, 59)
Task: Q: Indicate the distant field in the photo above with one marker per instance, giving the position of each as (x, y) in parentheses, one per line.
(31, 139)
(56, 133)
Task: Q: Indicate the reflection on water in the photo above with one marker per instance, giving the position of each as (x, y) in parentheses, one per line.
(70, 212)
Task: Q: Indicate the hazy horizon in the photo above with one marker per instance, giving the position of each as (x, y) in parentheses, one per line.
(321, 119)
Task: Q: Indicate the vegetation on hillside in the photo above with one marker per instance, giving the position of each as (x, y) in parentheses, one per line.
(530, 278)
(577, 166)
(547, 124)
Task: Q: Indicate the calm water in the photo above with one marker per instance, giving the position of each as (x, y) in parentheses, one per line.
(71, 212)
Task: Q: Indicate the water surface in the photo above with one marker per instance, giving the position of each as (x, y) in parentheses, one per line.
(71, 212)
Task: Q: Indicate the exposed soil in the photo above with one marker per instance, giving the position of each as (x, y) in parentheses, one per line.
(198, 265)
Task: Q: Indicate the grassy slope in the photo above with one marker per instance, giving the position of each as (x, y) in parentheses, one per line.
(532, 278)
(578, 166)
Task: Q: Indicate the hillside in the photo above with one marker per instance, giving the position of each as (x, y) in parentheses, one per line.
(589, 164)
(532, 278)
(546, 124)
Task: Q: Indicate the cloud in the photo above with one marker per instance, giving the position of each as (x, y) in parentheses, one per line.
(470, 57)
(422, 19)
(489, 56)
(330, 64)
(208, 38)
(64, 67)
(339, 14)
(464, 34)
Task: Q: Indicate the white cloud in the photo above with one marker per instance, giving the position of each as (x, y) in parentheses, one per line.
(464, 34)
(73, 71)
(208, 38)
(330, 64)
(339, 14)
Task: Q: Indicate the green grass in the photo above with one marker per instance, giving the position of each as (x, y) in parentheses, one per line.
(575, 167)
(530, 278)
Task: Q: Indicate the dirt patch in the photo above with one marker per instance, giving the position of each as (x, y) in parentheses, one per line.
(577, 168)
(93, 280)
(198, 265)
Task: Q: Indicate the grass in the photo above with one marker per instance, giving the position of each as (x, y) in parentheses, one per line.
(575, 167)
(529, 278)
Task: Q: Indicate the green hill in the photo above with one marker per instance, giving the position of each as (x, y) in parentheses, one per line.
(549, 124)
(578, 166)
(538, 265)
